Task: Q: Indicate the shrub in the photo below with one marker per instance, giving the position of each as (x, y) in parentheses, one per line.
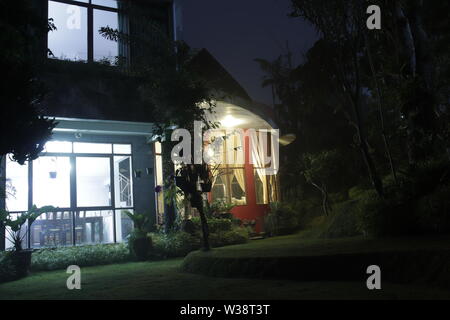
(7, 269)
(215, 224)
(179, 243)
(174, 244)
(140, 245)
(386, 217)
(61, 258)
(433, 211)
(236, 235)
(281, 220)
(342, 222)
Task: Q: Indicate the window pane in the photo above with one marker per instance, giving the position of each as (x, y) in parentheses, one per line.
(58, 146)
(82, 147)
(238, 187)
(122, 148)
(124, 225)
(94, 227)
(69, 41)
(93, 182)
(123, 182)
(104, 49)
(51, 181)
(159, 171)
(16, 186)
(261, 187)
(106, 3)
(158, 148)
(23, 232)
(52, 229)
(219, 190)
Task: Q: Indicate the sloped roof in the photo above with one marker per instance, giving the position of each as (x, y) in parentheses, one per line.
(207, 66)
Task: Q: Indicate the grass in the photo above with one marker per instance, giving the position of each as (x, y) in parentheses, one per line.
(164, 280)
(302, 245)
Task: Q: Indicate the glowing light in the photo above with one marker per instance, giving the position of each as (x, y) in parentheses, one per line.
(229, 121)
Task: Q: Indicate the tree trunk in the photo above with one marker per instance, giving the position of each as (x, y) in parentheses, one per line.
(197, 202)
(380, 111)
(168, 170)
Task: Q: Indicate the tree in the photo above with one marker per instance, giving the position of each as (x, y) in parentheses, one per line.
(173, 94)
(343, 25)
(24, 130)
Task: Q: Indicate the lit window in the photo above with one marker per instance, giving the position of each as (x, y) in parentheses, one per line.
(70, 40)
(85, 147)
(77, 35)
(159, 180)
(93, 182)
(105, 3)
(123, 183)
(58, 147)
(229, 185)
(16, 186)
(51, 181)
(122, 149)
(104, 49)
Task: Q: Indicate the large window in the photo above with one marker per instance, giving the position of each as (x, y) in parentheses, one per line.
(159, 181)
(91, 185)
(78, 23)
(227, 163)
(229, 185)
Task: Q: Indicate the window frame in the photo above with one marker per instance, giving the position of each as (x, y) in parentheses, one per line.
(228, 175)
(73, 210)
(90, 21)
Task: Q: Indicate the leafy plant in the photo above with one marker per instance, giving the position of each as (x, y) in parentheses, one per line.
(15, 232)
(140, 243)
(92, 255)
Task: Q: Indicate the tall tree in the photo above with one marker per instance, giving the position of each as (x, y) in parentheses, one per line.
(23, 129)
(343, 25)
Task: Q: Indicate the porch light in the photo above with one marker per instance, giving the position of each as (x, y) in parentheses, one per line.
(229, 121)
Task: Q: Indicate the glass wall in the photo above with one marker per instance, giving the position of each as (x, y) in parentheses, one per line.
(91, 184)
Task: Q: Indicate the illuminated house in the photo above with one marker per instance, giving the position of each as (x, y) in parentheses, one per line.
(101, 160)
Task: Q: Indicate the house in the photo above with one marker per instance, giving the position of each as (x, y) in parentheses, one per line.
(102, 160)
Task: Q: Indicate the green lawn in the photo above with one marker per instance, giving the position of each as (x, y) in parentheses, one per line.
(165, 280)
(301, 245)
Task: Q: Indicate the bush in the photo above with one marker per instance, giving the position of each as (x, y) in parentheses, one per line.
(281, 220)
(391, 216)
(140, 245)
(61, 258)
(215, 224)
(342, 222)
(179, 243)
(433, 211)
(7, 270)
(174, 244)
(236, 235)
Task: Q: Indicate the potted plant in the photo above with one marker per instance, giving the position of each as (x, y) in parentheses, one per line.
(15, 233)
(140, 243)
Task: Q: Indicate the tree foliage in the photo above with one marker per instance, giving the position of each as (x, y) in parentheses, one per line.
(24, 130)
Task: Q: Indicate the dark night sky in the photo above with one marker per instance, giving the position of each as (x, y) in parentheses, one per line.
(238, 31)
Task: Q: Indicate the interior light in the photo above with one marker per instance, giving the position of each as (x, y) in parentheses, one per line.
(229, 121)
